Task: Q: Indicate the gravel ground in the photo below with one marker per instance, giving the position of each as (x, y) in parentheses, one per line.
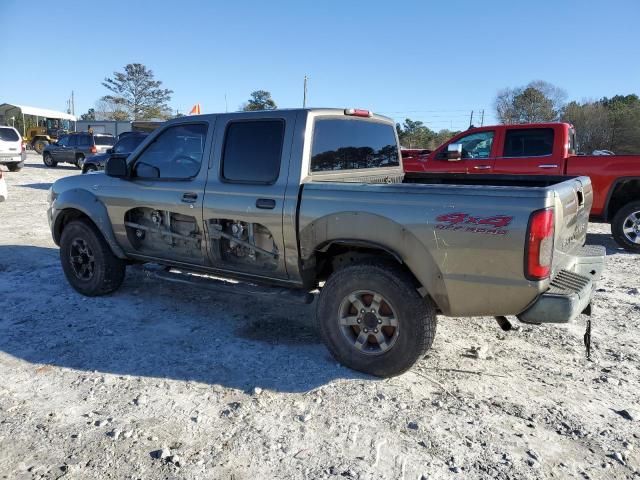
(162, 380)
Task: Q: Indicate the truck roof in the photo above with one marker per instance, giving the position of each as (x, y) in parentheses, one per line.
(327, 111)
(521, 125)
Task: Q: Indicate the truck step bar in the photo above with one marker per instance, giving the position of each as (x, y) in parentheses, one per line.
(227, 286)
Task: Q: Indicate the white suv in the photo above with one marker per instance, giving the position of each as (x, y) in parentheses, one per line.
(12, 152)
(3, 188)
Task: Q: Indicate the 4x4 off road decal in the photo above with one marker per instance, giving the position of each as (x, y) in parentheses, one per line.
(468, 223)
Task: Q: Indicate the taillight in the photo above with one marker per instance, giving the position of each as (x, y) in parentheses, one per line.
(357, 112)
(93, 149)
(539, 248)
(24, 147)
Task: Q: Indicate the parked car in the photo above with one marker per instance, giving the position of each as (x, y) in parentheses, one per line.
(546, 149)
(75, 148)
(124, 146)
(12, 149)
(3, 188)
(307, 199)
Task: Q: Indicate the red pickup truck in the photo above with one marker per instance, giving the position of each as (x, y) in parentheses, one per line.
(544, 149)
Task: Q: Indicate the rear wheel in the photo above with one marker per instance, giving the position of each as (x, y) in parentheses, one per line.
(625, 227)
(372, 319)
(39, 146)
(79, 161)
(49, 161)
(87, 261)
(89, 168)
(14, 167)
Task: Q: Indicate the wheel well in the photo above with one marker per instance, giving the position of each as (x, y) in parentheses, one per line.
(64, 218)
(340, 255)
(624, 192)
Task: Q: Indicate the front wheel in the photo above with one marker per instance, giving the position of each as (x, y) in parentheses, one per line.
(39, 146)
(373, 320)
(49, 161)
(625, 227)
(87, 260)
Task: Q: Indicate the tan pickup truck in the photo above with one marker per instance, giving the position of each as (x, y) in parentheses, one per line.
(292, 202)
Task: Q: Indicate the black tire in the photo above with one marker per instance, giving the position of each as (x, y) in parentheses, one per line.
(48, 160)
(79, 161)
(39, 146)
(107, 272)
(624, 220)
(15, 167)
(89, 168)
(416, 318)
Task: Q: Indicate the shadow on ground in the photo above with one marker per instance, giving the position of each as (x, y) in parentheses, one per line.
(37, 186)
(154, 328)
(33, 163)
(607, 241)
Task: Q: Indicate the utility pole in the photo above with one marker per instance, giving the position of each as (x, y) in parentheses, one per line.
(471, 119)
(73, 105)
(482, 118)
(226, 107)
(304, 96)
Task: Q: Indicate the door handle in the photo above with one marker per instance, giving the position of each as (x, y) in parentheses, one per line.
(189, 197)
(548, 165)
(482, 167)
(266, 203)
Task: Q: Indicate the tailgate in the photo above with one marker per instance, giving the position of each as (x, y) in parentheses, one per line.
(573, 202)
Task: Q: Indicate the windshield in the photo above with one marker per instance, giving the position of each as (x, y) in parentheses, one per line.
(9, 135)
(104, 140)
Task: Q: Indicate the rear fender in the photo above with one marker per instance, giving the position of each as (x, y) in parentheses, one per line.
(368, 229)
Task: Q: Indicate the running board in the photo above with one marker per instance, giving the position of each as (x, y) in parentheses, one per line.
(227, 286)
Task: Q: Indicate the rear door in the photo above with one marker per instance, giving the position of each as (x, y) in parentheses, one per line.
(244, 197)
(529, 151)
(478, 154)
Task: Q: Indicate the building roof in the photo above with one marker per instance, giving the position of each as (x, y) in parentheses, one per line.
(40, 112)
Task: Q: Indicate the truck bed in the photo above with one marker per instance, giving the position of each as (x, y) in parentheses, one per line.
(528, 181)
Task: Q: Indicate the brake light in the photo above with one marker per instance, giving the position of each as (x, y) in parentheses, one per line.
(24, 147)
(539, 248)
(357, 112)
(93, 149)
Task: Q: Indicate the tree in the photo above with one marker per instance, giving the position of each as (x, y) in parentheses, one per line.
(414, 134)
(90, 115)
(592, 123)
(539, 101)
(137, 93)
(260, 100)
(110, 109)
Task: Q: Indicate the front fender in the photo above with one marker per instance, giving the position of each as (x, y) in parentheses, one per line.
(83, 201)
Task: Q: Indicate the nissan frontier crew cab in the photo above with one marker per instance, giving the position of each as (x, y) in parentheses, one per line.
(289, 202)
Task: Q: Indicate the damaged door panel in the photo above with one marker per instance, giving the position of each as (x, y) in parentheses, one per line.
(151, 232)
(244, 196)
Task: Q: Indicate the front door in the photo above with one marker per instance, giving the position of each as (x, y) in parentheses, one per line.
(244, 197)
(477, 155)
(60, 150)
(157, 212)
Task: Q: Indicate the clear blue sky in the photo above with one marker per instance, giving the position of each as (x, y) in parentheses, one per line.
(432, 61)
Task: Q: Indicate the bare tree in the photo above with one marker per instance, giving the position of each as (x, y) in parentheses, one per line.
(539, 101)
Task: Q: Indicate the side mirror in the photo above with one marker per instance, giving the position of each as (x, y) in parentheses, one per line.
(454, 152)
(117, 167)
(109, 150)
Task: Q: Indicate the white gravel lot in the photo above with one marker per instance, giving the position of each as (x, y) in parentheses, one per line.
(163, 380)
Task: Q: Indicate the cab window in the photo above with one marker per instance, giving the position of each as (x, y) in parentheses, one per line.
(528, 142)
(174, 154)
(474, 145)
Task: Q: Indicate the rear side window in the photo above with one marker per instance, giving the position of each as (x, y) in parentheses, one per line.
(347, 144)
(252, 151)
(128, 144)
(529, 142)
(73, 141)
(84, 140)
(9, 135)
(104, 140)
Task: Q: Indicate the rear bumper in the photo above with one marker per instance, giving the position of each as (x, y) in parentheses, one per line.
(569, 292)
